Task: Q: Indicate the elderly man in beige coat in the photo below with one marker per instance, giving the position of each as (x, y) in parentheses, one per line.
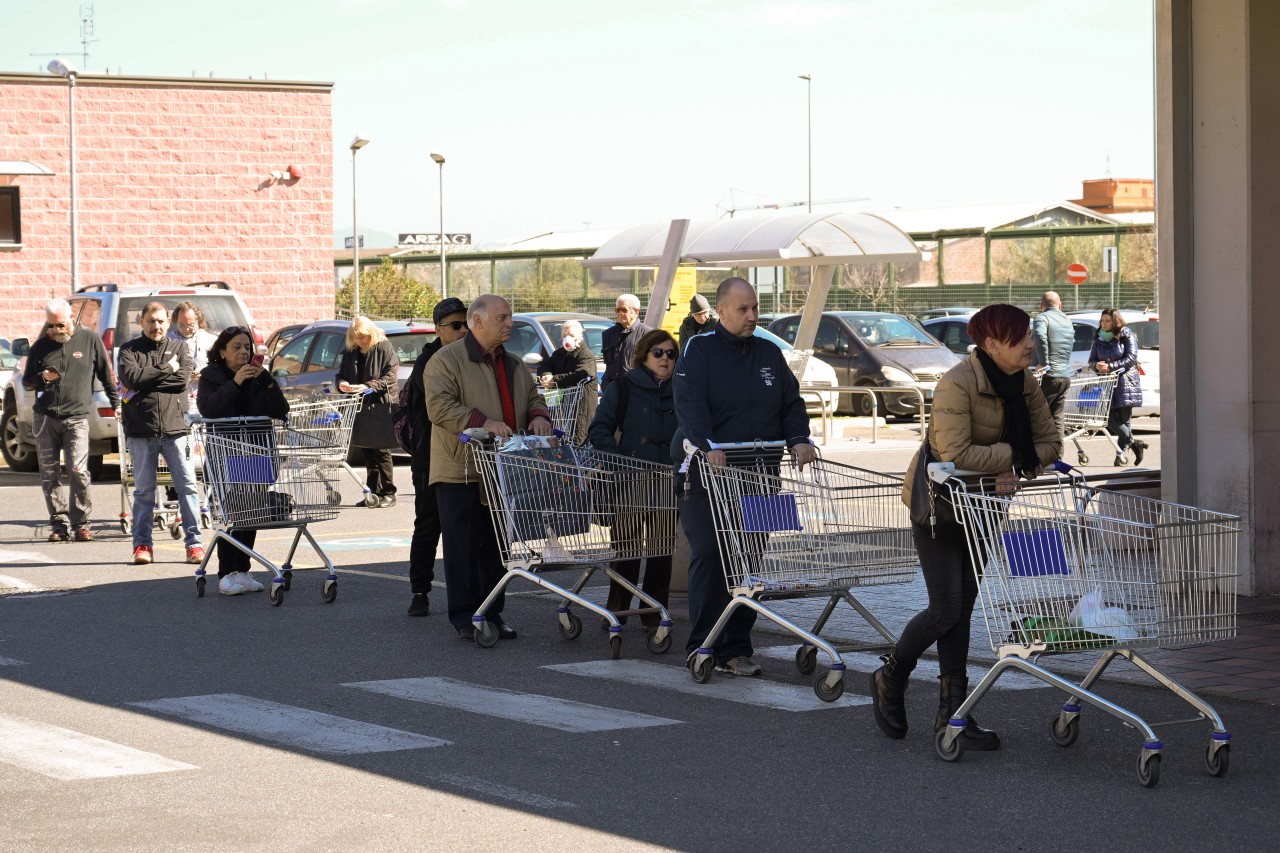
(473, 383)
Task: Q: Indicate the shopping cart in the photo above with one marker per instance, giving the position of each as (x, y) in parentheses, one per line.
(253, 485)
(327, 420)
(564, 405)
(1069, 569)
(555, 508)
(1086, 408)
(788, 533)
(166, 513)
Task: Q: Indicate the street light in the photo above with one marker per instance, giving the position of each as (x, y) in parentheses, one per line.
(356, 144)
(808, 85)
(65, 69)
(444, 269)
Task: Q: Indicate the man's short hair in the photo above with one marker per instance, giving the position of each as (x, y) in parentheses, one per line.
(571, 326)
(58, 307)
(480, 307)
(722, 292)
(630, 300)
(193, 308)
(151, 308)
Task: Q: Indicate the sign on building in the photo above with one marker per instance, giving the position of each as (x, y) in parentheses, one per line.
(346, 242)
(432, 238)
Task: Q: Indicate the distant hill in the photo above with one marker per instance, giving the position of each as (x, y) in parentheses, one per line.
(373, 239)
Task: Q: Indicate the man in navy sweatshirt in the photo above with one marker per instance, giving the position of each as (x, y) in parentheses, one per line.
(730, 386)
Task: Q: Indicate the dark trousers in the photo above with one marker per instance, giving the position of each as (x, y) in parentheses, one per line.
(1119, 426)
(953, 588)
(377, 461)
(708, 589)
(426, 531)
(1055, 394)
(232, 559)
(472, 561)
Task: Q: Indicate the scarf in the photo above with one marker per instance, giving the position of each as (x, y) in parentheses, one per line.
(1017, 417)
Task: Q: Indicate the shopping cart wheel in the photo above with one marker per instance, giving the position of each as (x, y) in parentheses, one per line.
(1084, 458)
(828, 693)
(334, 497)
(126, 526)
(1064, 734)
(199, 587)
(949, 751)
(486, 635)
(570, 625)
(655, 644)
(205, 521)
(615, 646)
(701, 668)
(371, 500)
(807, 659)
(175, 530)
(287, 574)
(1217, 760)
(1149, 768)
(330, 591)
(275, 594)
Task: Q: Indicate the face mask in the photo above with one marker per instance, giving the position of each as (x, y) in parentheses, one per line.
(1106, 336)
(567, 342)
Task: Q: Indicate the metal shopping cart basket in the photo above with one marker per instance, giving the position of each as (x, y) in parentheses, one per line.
(166, 514)
(556, 507)
(564, 405)
(328, 419)
(787, 533)
(1086, 409)
(1069, 569)
(254, 485)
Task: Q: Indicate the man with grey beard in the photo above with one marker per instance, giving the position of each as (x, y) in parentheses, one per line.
(61, 367)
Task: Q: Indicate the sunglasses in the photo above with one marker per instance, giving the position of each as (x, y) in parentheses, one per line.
(456, 325)
(659, 352)
(59, 325)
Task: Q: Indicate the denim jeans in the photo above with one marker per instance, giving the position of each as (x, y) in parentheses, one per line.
(145, 454)
(54, 437)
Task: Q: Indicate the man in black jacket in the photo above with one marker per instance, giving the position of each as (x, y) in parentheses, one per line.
(154, 374)
(60, 370)
(730, 386)
(701, 319)
(618, 342)
(450, 316)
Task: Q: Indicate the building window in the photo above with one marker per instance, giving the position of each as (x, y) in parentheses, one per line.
(10, 222)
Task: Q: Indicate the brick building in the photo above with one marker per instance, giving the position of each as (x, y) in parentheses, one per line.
(173, 186)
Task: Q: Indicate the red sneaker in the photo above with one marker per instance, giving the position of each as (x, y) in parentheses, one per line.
(84, 534)
(195, 554)
(142, 555)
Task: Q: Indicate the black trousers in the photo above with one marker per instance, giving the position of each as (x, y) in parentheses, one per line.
(377, 461)
(232, 559)
(953, 588)
(472, 561)
(426, 531)
(1055, 394)
(708, 589)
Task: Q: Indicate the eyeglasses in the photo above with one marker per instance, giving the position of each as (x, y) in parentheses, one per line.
(659, 352)
(456, 325)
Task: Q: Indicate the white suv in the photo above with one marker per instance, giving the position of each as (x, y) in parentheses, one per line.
(1147, 329)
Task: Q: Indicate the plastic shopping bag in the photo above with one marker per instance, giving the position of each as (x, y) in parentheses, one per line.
(1092, 616)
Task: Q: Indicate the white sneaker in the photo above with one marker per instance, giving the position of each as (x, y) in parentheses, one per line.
(230, 584)
(248, 583)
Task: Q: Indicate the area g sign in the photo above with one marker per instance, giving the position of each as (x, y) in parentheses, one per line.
(433, 239)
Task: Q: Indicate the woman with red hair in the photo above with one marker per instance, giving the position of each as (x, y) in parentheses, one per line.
(989, 415)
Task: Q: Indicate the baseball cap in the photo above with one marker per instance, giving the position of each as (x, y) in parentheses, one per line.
(445, 307)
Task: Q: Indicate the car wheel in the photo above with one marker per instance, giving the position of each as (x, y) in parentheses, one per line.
(18, 456)
(862, 405)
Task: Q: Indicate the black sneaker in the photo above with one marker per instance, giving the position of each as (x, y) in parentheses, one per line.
(421, 605)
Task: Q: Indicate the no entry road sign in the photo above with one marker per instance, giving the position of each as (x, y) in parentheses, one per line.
(1077, 273)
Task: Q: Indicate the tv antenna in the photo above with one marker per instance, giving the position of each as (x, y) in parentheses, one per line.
(86, 37)
(733, 207)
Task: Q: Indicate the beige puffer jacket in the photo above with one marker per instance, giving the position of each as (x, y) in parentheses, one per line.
(968, 422)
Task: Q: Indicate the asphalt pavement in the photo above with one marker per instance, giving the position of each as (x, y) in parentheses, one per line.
(136, 716)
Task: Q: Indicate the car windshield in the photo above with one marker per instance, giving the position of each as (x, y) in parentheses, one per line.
(409, 344)
(592, 328)
(8, 361)
(219, 312)
(882, 330)
(1147, 332)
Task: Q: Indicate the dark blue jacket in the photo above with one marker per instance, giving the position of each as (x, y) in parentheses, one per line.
(616, 348)
(731, 389)
(648, 423)
(1121, 354)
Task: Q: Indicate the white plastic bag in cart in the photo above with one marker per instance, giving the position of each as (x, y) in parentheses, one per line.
(1090, 615)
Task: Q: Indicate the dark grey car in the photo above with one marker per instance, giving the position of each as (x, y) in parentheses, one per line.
(876, 350)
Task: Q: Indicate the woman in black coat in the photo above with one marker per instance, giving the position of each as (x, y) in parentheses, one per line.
(570, 366)
(637, 418)
(233, 386)
(369, 364)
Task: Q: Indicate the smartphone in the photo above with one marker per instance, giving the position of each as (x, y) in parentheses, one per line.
(257, 359)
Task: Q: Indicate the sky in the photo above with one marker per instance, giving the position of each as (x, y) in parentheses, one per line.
(565, 115)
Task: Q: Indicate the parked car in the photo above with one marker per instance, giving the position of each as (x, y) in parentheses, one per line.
(305, 366)
(934, 313)
(536, 334)
(8, 366)
(879, 350)
(277, 339)
(110, 311)
(1147, 329)
(952, 330)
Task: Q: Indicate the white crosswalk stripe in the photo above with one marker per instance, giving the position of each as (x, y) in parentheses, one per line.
(68, 755)
(867, 662)
(747, 691)
(289, 726)
(12, 662)
(546, 711)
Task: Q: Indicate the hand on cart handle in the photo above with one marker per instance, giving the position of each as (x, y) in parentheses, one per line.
(347, 388)
(802, 454)
(717, 458)
(541, 426)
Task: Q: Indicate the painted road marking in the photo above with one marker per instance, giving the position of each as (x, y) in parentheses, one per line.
(65, 754)
(7, 556)
(365, 542)
(748, 691)
(286, 725)
(7, 582)
(12, 662)
(546, 711)
(925, 671)
(493, 789)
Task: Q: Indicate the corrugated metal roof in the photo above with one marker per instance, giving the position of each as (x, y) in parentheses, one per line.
(986, 216)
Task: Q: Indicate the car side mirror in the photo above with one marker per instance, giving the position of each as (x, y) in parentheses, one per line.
(21, 346)
(532, 359)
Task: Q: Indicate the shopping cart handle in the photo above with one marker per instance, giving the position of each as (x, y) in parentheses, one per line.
(473, 434)
(1062, 467)
(940, 472)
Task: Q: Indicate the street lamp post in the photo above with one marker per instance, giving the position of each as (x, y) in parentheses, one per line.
(444, 268)
(808, 84)
(65, 69)
(356, 144)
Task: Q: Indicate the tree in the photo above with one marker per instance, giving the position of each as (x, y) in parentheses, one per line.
(386, 293)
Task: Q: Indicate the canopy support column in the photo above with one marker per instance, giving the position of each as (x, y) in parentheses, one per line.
(666, 276)
(819, 286)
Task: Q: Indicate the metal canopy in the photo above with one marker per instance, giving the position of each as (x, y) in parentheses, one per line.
(796, 239)
(22, 167)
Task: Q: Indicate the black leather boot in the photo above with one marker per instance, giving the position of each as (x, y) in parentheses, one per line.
(1139, 450)
(952, 691)
(889, 695)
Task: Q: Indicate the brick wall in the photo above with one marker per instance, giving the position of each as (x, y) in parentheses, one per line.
(172, 187)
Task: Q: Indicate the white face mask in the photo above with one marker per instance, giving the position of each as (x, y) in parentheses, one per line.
(568, 342)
